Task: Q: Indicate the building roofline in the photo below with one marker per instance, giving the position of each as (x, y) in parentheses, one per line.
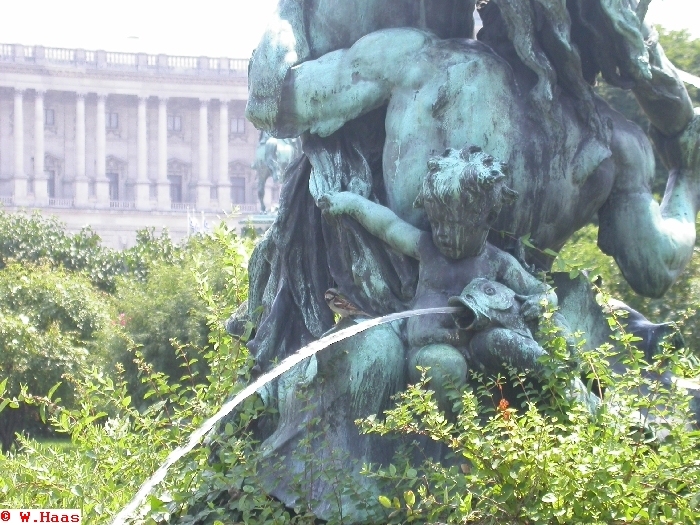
(99, 60)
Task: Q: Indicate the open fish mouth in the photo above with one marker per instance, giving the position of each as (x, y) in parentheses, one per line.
(471, 317)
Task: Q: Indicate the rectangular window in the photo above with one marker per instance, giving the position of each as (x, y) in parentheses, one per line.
(238, 126)
(175, 188)
(238, 190)
(174, 123)
(51, 180)
(113, 186)
(112, 120)
(49, 117)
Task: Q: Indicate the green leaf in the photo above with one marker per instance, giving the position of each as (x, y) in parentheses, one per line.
(525, 239)
(465, 506)
(550, 497)
(3, 385)
(52, 391)
(410, 498)
(386, 502)
(155, 503)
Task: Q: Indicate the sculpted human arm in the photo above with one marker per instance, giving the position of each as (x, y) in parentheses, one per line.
(663, 96)
(537, 292)
(651, 243)
(379, 220)
(321, 95)
(282, 46)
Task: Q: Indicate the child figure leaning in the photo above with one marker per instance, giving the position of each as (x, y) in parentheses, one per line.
(462, 194)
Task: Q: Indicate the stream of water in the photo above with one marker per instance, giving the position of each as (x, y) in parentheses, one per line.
(303, 353)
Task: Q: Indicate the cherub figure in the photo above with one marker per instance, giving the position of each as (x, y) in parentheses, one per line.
(462, 195)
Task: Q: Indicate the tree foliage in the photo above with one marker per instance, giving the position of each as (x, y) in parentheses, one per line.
(49, 325)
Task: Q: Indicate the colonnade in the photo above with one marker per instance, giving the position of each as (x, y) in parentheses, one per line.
(98, 196)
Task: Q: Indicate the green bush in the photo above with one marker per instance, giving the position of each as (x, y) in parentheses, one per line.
(35, 238)
(163, 313)
(50, 322)
(531, 457)
(119, 440)
(679, 304)
(540, 457)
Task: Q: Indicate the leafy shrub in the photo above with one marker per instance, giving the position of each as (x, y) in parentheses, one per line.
(163, 313)
(531, 457)
(50, 321)
(678, 305)
(540, 457)
(119, 440)
(36, 238)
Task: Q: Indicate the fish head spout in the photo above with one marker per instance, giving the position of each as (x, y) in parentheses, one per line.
(482, 300)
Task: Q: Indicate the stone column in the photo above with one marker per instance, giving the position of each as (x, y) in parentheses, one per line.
(203, 182)
(20, 177)
(41, 188)
(101, 182)
(143, 198)
(163, 183)
(81, 181)
(224, 182)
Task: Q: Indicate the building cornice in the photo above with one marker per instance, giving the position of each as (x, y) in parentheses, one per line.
(50, 61)
(41, 71)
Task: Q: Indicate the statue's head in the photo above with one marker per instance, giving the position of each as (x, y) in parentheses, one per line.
(462, 194)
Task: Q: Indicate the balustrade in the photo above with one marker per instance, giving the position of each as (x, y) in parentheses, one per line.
(122, 204)
(64, 56)
(182, 62)
(57, 54)
(122, 59)
(247, 208)
(61, 203)
(182, 206)
(238, 64)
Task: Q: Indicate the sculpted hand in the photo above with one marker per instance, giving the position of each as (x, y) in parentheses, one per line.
(331, 204)
(532, 308)
(681, 152)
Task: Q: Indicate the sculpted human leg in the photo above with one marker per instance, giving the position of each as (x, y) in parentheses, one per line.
(448, 371)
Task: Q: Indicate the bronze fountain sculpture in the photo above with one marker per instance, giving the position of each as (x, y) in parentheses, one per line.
(378, 90)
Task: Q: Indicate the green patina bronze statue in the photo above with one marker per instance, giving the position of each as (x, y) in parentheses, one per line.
(272, 157)
(378, 88)
(462, 195)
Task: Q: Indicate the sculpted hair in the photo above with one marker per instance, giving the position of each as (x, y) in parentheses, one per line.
(462, 176)
(566, 43)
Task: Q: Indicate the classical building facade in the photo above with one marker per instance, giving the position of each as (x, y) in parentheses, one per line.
(122, 141)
